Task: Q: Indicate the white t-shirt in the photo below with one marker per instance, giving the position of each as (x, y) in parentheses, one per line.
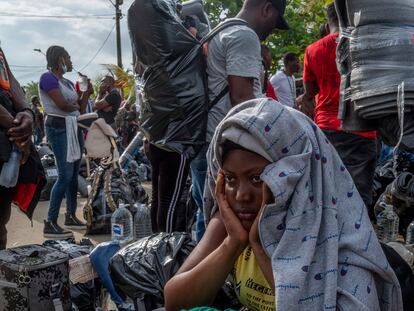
(285, 88)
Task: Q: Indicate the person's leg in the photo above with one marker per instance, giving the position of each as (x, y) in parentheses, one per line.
(6, 196)
(72, 189)
(57, 140)
(198, 174)
(173, 173)
(359, 155)
(71, 221)
(152, 155)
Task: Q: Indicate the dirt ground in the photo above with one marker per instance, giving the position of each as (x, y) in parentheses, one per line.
(22, 232)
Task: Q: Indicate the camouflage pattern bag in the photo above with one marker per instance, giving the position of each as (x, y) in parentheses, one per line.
(34, 278)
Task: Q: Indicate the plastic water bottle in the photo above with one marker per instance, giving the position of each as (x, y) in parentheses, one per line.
(10, 171)
(387, 224)
(409, 240)
(142, 221)
(121, 225)
(131, 151)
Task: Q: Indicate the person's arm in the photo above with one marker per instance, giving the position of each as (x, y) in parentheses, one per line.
(306, 102)
(243, 64)
(22, 127)
(204, 273)
(84, 98)
(262, 258)
(6, 119)
(60, 101)
(240, 89)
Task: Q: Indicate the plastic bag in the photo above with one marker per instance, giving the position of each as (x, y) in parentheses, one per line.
(169, 63)
(404, 274)
(109, 187)
(141, 270)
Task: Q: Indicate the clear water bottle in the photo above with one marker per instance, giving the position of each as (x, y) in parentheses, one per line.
(121, 225)
(142, 221)
(409, 240)
(10, 171)
(387, 224)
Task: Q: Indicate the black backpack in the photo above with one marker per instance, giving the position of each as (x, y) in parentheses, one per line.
(170, 66)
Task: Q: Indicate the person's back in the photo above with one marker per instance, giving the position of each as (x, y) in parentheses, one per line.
(320, 65)
(322, 83)
(233, 52)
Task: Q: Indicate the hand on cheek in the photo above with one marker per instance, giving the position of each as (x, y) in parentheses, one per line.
(235, 230)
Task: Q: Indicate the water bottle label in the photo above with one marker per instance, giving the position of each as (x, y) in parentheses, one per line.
(117, 230)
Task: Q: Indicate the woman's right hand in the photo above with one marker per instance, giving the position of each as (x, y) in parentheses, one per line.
(235, 230)
(75, 107)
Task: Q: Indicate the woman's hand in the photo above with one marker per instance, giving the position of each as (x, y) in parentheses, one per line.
(22, 126)
(267, 198)
(235, 230)
(90, 90)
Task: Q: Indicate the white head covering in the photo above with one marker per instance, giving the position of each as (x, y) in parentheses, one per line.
(321, 243)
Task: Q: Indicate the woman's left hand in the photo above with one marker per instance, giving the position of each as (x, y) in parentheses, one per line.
(267, 198)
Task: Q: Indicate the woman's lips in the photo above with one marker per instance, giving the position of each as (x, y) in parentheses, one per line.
(246, 216)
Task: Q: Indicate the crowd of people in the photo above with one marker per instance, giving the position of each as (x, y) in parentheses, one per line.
(277, 183)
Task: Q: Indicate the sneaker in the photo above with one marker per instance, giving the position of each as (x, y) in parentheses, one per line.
(72, 222)
(52, 230)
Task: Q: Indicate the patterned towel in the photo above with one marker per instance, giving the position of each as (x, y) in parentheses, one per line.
(323, 248)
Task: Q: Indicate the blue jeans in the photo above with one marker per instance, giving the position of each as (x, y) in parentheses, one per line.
(67, 182)
(198, 174)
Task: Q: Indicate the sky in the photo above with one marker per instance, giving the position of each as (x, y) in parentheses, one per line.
(25, 27)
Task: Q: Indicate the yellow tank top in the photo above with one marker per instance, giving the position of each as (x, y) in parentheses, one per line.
(250, 284)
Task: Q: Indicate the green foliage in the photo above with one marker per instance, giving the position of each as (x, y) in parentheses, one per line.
(305, 17)
(31, 89)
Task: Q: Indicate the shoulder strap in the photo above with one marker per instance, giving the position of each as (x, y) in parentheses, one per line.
(220, 27)
(227, 23)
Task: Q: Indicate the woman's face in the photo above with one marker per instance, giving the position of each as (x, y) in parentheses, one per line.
(243, 187)
(67, 61)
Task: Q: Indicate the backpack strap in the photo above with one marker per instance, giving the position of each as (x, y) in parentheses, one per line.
(220, 27)
(204, 42)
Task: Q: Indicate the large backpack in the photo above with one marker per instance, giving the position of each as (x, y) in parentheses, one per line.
(170, 65)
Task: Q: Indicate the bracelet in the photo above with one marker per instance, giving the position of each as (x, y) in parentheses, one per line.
(31, 111)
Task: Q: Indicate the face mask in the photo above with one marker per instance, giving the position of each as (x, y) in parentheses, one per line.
(64, 67)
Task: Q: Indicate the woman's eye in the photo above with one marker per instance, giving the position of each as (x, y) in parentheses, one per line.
(228, 178)
(256, 179)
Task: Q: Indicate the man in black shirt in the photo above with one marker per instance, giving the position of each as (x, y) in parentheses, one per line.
(108, 101)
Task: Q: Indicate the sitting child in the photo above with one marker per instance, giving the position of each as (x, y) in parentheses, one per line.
(284, 218)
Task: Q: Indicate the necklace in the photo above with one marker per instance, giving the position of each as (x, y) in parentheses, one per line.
(291, 86)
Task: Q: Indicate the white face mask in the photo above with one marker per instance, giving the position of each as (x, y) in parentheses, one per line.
(64, 67)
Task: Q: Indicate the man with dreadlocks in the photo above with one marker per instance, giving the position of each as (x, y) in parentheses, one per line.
(63, 105)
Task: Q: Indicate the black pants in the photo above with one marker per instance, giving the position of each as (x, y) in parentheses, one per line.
(169, 174)
(6, 195)
(359, 155)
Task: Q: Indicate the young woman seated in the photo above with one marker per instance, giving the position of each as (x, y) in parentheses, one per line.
(285, 221)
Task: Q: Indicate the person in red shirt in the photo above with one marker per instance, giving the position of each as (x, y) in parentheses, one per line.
(322, 84)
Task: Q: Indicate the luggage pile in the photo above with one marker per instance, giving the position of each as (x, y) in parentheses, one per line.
(375, 56)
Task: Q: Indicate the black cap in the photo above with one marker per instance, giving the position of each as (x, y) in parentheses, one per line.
(280, 5)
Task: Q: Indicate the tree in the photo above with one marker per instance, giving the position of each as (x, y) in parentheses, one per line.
(125, 80)
(305, 17)
(31, 89)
